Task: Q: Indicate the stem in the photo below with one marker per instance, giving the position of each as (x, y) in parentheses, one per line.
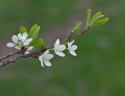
(32, 54)
(35, 53)
(12, 54)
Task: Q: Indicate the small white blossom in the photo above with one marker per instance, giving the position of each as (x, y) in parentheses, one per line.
(72, 48)
(19, 41)
(15, 43)
(59, 48)
(23, 38)
(28, 49)
(44, 59)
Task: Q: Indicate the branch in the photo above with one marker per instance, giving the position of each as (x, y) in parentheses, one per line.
(12, 54)
(35, 53)
(32, 54)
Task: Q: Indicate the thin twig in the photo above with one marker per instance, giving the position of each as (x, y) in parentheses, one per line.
(35, 53)
(32, 54)
(12, 54)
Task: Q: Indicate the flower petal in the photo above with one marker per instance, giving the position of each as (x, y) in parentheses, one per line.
(73, 53)
(25, 35)
(60, 53)
(57, 42)
(72, 42)
(27, 52)
(27, 42)
(74, 47)
(46, 52)
(47, 63)
(30, 48)
(40, 58)
(19, 36)
(14, 38)
(49, 56)
(17, 47)
(10, 44)
(61, 47)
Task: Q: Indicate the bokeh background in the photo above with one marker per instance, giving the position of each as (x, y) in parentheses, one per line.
(99, 68)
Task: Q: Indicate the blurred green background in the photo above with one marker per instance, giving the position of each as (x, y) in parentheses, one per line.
(99, 68)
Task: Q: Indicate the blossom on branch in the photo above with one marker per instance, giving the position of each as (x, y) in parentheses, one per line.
(58, 48)
(72, 48)
(44, 59)
(19, 41)
(28, 49)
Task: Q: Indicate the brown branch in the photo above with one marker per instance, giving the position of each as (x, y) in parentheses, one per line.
(35, 53)
(32, 54)
(12, 54)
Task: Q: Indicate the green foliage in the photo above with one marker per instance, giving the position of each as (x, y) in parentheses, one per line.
(101, 22)
(88, 16)
(96, 20)
(22, 30)
(34, 32)
(77, 26)
(38, 42)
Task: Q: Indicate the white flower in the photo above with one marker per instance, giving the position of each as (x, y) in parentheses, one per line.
(72, 48)
(59, 48)
(23, 38)
(15, 43)
(44, 59)
(28, 49)
(19, 41)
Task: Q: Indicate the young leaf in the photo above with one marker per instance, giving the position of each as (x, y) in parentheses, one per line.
(95, 20)
(22, 30)
(38, 42)
(96, 15)
(34, 32)
(77, 26)
(88, 16)
(100, 22)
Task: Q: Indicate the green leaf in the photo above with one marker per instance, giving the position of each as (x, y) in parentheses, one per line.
(101, 22)
(22, 30)
(34, 32)
(38, 42)
(77, 26)
(96, 15)
(95, 20)
(88, 16)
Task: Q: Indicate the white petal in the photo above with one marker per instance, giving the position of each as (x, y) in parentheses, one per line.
(46, 52)
(74, 47)
(10, 44)
(27, 42)
(60, 53)
(49, 56)
(14, 38)
(73, 53)
(26, 52)
(61, 47)
(69, 45)
(17, 47)
(25, 35)
(30, 39)
(47, 63)
(57, 42)
(30, 48)
(40, 58)
(19, 36)
(72, 42)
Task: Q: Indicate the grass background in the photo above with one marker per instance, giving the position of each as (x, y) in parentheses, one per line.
(99, 68)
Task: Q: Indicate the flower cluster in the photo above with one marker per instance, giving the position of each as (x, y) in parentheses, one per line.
(21, 40)
(58, 48)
